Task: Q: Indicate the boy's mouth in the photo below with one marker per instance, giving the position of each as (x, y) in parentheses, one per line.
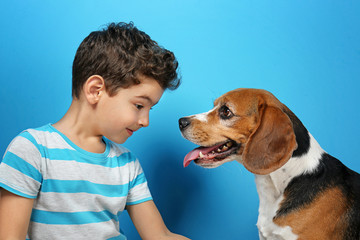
(130, 132)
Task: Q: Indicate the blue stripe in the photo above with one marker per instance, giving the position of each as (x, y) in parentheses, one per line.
(73, 155)
(81, 186)
(138, 180)
(46, 128)
(14, 191)
(22, 166)
(71, 218)
(139, 201)
(120, 237)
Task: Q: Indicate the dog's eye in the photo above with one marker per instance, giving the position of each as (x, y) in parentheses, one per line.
(225, 112)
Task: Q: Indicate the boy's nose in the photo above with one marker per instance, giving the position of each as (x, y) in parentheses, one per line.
(144, 121)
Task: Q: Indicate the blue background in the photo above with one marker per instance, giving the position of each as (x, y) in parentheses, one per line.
(306, 52)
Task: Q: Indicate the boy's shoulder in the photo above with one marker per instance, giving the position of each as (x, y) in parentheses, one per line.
(32, 134)
(35, 140)
(46, 136)
(35, 131)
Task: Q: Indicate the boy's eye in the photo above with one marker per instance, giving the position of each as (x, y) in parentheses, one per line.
(138, 106)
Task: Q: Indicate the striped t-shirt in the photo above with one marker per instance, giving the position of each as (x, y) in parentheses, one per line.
(78, 194)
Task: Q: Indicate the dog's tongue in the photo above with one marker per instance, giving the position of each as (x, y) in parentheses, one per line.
(195, 154)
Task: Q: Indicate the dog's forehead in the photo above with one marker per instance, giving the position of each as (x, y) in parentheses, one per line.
(240, 97)
(246, 97)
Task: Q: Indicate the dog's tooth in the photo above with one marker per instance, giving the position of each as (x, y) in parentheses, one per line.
(201, 155)
(225, 148)
(229, 144)
(218, 150)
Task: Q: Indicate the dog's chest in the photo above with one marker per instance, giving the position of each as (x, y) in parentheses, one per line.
(270, 198)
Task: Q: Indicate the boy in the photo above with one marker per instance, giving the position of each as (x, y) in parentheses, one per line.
(68, 180)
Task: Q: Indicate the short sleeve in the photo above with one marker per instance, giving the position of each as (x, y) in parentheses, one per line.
(138, 187)
(20, 168)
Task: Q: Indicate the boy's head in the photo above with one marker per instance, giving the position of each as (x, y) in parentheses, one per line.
(120, 54)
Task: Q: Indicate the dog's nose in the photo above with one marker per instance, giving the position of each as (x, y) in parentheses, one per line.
(183, 123)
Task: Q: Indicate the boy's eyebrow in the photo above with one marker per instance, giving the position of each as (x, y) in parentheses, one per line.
(148, 99)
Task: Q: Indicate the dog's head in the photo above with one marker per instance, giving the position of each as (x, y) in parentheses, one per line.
(247, 125)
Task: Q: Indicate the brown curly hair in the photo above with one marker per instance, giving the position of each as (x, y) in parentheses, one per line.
(120, 53)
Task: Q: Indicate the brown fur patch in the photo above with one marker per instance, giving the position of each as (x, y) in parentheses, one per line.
(323, 219)
(272, 144)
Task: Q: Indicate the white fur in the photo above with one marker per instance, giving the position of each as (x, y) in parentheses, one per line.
(271, 188)
(203, 117)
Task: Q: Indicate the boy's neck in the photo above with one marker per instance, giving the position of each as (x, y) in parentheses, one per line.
(78, 127)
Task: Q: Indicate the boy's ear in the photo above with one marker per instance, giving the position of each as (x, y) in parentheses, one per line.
(93, 88)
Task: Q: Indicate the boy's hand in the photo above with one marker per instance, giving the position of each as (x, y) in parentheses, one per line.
(15, 212)
(149, 222)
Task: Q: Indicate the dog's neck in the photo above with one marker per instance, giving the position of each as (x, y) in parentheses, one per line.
(296, 166)
(271, 189)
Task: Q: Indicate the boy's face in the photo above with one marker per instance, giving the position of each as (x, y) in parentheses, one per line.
(127, 111)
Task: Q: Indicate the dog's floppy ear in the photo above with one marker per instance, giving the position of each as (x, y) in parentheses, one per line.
(272, 143)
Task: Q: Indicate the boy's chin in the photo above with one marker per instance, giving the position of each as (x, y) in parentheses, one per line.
(117, 140)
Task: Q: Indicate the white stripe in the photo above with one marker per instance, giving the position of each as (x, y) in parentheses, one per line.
(93, 231)
(71, 170)
(78, 202)
(50, 139)
(18, 181)
(139, 192)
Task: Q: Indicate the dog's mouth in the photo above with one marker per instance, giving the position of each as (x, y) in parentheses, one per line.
(210, 155)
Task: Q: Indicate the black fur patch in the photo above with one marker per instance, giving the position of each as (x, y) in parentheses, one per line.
(330, 173)
(301, 133)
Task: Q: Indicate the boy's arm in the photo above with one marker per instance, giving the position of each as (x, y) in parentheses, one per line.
(15, 212)
(149, 222)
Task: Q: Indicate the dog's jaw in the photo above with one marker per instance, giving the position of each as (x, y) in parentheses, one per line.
(216, 164)
(213, 156)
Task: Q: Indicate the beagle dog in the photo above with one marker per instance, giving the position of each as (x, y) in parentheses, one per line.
(304, 192)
